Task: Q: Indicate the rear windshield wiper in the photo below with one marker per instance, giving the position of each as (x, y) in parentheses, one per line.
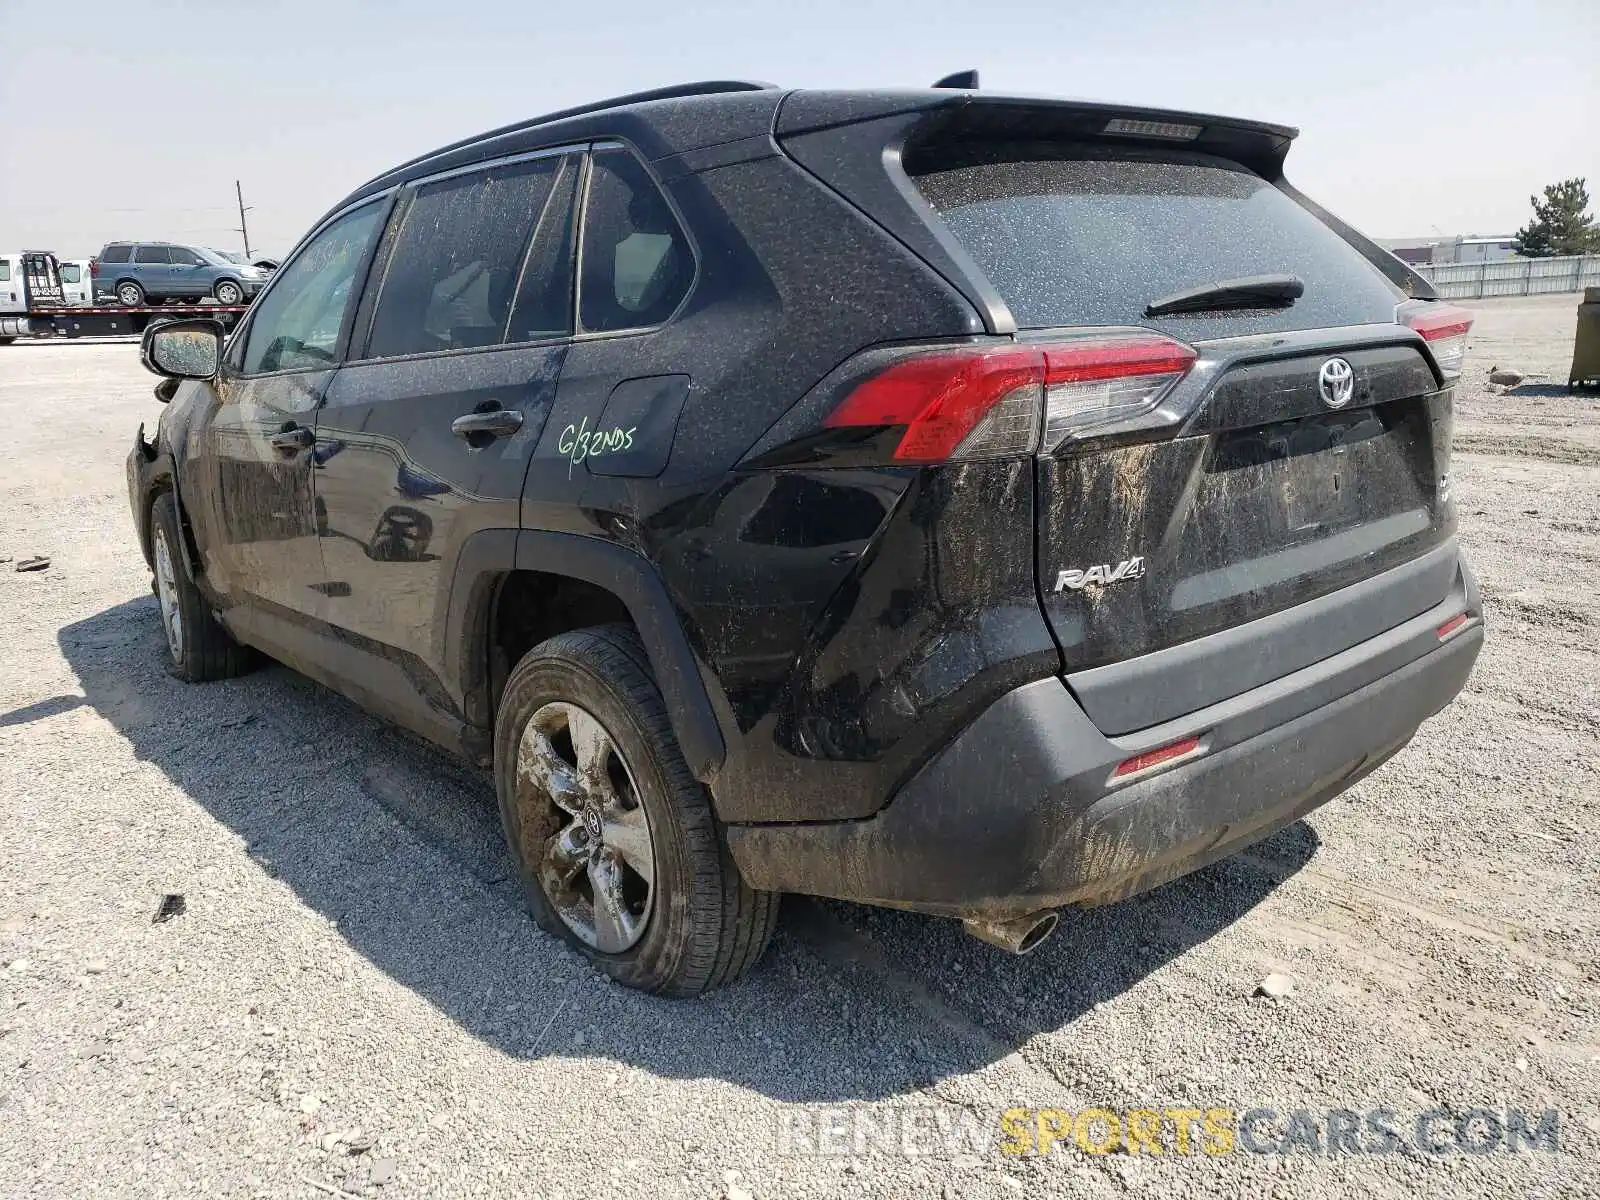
(1257, 291)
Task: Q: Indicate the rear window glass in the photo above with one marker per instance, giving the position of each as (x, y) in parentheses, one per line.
(1090, 236)
(71, 273)
(5, 272)
(637, 265)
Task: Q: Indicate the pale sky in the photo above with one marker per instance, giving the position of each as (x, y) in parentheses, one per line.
(132, 120)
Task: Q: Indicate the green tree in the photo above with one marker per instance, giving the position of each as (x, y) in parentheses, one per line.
(1561, 223)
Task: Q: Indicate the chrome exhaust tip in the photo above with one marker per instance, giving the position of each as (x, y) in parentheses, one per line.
(1020, 935)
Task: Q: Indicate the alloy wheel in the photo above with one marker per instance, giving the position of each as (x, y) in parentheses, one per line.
(167, 594)
(598, 868)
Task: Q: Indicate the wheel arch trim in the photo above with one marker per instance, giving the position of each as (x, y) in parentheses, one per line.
(490, 553)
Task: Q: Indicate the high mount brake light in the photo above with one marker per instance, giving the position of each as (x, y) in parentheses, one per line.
(992, 401)
(1445, 328)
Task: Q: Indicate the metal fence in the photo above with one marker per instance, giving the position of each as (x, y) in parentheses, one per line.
(1513, 277)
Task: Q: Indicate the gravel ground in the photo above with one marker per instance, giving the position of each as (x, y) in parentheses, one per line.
(353, 1001)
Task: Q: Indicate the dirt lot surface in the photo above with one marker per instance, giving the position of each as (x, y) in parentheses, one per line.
(353, 1002)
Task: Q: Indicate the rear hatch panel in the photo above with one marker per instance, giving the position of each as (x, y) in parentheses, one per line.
(1265, 500)
(1244, 495)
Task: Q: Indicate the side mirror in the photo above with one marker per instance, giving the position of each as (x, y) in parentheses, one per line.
(167, 389)
(189, 349)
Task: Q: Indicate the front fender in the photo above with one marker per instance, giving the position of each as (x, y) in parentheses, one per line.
(151, 471)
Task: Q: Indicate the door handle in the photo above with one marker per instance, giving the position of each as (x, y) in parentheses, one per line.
(499, 422)
(292, 439)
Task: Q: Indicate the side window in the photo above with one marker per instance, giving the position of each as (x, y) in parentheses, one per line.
(151, 254)
(115, 254)
(296, 322)
(453, 272)
(184, 258)
(637, 265)
(543, 308)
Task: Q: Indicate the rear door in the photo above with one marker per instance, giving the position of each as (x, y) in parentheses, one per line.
(75, 281)
(1258, 484)
(152, 267)
(426, 439)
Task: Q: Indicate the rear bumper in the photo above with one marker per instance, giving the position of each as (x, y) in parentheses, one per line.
(1020, 813)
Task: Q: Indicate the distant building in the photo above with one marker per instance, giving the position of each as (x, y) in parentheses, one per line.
(1476, 249)
(1461, 249)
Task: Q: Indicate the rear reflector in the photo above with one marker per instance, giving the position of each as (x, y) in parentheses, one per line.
(992, 401)
(1444, 327)
(1156, 758)
(1453, 626)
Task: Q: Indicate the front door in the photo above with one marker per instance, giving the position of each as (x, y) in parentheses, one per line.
(426, 439)
(260, 535)
(188, 277)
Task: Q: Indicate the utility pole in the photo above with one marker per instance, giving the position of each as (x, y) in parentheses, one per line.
(244, 231)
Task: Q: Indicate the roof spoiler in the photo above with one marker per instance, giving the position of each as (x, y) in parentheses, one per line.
(950, 115)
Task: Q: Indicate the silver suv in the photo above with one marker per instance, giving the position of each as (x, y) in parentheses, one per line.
(140, 273)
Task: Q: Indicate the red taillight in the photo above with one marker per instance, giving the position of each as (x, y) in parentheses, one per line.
(1453, 626)
(94, 268)
(1157, 757)
(993, 401)
(1444, 327)
(1116, 358)
(943, 398)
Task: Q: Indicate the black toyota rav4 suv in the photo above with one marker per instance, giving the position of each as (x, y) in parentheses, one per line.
(960, 502)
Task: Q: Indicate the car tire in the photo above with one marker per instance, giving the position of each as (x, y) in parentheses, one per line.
(694, 923)
(131, 295)
(199, 649)
(228, 292)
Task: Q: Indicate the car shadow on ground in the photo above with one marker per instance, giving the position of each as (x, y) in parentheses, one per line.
(1547, 389)
(401, 847)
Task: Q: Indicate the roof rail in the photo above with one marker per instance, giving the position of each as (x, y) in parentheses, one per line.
(709, 87)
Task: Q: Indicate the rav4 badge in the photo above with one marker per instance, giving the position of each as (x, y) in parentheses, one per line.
(1097, 576)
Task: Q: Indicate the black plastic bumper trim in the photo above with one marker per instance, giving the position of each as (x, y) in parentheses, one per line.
(1016, 814)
